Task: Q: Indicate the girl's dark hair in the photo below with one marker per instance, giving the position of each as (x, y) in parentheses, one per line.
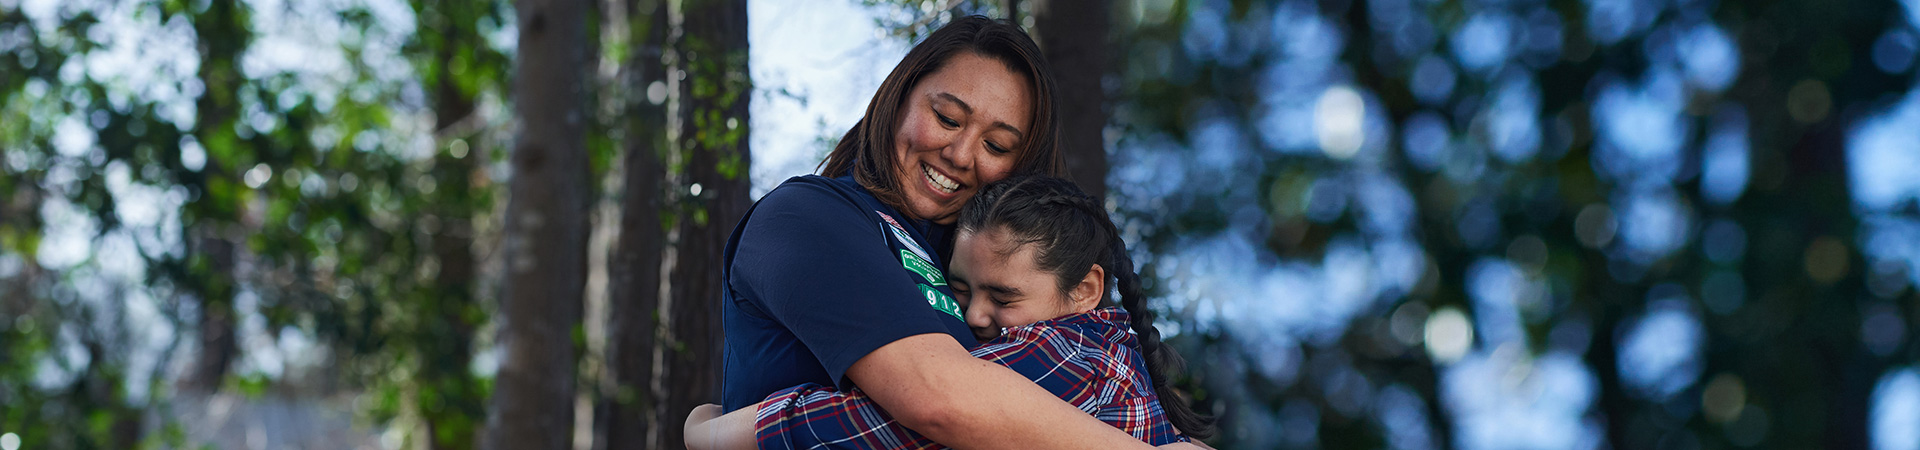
(1071, 232)
(867, 150)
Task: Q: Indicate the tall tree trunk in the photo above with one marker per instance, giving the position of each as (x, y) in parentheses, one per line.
(447, 349)
(626, 412)
(546, 231)
(1073, 35)
(222, 33)
(713, 136)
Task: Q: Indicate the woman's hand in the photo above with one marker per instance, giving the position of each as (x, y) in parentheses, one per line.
(706, 429)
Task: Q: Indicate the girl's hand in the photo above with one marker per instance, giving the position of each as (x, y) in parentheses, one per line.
(707, 429)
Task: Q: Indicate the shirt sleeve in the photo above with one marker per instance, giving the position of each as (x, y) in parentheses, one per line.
(815, 262)
(1056, 358)
(813, 416)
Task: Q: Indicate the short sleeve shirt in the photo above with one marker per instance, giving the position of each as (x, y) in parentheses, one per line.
(819, 274)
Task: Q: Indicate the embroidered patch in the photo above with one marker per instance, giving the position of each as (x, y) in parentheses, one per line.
(941, 301)
(916, 264)
(906, 240)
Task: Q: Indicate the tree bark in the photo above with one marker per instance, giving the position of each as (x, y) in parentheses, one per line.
(713, 137)
(1073, 36)
(625, 413)
(546, 231)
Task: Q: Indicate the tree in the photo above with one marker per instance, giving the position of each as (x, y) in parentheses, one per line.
(712, 50)
(1073, 34)
(456, 66)
(223, 33)
(625, 415)
(546, 231)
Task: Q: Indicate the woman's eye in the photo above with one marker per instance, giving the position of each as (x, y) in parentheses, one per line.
(996, 148)
(948, 122)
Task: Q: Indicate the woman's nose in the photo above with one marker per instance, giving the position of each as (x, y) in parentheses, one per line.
(962, 151)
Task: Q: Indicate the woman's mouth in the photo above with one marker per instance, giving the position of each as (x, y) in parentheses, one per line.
(939, 182)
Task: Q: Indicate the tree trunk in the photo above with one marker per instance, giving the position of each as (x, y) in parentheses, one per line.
(713, 137)
(1073, 36)
(546, 231)
(451, 304)
(223, 35)
(634, 295)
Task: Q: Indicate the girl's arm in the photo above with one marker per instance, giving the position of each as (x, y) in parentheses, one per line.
(706, 429)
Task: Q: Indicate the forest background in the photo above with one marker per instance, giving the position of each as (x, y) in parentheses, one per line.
(1408, 224)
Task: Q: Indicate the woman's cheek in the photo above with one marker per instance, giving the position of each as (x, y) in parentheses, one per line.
(914, 133)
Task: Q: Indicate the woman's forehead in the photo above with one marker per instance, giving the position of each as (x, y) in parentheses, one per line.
(981, 86)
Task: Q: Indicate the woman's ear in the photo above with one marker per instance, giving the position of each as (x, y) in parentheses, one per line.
(1087, 294)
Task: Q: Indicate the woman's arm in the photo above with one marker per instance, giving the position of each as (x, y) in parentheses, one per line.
(932, 385)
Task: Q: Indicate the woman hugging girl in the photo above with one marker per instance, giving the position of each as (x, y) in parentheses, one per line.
(1034, 261)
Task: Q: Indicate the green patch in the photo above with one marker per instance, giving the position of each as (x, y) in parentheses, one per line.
(920, 266)
(941, 301)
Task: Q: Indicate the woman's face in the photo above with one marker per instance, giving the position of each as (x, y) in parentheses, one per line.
(1002, 286)
(962, 124)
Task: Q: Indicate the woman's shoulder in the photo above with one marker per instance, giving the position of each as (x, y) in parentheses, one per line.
(809, 209)
(816, 193)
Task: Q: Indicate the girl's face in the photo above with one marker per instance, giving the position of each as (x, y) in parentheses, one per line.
(1001, 285)
(959, 132)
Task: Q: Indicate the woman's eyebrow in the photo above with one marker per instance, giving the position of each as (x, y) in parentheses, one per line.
(964, 107)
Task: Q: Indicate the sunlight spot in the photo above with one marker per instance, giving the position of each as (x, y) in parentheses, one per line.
(258, 175)
(1338, 120)
(1896, 408)
(1660, 352)
(1711, 58)
(1483, 44)
(1724, 164)
(1449, 335)
(192, 156)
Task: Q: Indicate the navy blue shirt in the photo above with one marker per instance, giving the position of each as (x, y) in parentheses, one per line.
(819, 274)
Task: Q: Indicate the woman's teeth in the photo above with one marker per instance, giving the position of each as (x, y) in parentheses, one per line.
(946, 185)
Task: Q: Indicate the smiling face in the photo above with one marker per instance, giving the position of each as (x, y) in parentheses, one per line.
(961, 127)
(1002, 285)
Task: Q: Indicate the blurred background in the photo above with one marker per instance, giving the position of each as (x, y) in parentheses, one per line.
(1405, 224)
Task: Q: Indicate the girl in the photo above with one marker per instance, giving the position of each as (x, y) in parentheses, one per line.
(1033, 260)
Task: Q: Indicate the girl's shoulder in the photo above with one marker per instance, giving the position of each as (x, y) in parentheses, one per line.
(1106, 328)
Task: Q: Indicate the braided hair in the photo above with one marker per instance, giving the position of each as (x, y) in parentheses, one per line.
(1073, 233)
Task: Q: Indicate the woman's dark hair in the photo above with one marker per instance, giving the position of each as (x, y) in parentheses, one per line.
(1071, 232)
(867, 150)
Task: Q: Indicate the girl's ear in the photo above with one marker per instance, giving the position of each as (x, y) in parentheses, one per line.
(1086, 295)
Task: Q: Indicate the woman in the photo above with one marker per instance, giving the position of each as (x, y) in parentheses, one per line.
(1034, 261)
(825, 275)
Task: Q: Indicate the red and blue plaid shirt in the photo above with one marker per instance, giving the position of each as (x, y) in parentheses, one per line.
(1091, 360)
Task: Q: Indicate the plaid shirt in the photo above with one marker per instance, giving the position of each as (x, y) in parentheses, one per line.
(1090, 359)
